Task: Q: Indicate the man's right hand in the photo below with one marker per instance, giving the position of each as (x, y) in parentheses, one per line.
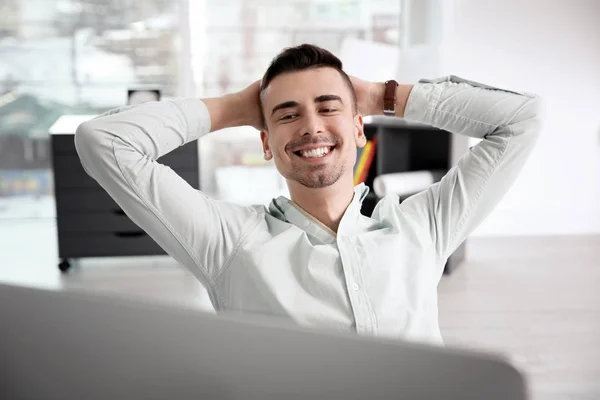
(250, 98)
(236, 109)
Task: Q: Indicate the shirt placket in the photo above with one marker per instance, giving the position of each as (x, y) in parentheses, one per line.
(351, 264)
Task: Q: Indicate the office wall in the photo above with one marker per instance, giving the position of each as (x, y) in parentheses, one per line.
(551, 48)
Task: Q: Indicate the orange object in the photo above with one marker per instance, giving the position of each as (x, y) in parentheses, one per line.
(365, 161)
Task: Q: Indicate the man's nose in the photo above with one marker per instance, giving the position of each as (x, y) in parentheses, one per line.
(312, 124)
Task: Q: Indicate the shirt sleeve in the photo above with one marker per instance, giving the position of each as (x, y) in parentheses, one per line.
(119, 150)
(509, 124)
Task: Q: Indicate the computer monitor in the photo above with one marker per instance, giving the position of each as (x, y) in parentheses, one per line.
(73, 346)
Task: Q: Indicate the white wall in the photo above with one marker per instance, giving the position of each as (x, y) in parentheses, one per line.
(551, 48)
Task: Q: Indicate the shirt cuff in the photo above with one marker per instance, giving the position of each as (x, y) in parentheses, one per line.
(196, 116)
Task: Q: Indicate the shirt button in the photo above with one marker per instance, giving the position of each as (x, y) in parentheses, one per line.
(306, 222)
(355, 286)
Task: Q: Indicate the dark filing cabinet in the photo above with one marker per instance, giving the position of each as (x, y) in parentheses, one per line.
(90, 223)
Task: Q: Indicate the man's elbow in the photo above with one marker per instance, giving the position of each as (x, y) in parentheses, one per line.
(529, 120)
(84, 134)
(538, 110)
(90, 144)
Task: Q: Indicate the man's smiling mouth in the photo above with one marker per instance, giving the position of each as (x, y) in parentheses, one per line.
(315, 153)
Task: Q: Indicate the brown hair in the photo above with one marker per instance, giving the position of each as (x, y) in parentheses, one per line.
(303, 57)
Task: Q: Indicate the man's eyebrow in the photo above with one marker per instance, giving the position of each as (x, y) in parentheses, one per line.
(319, 99)
(328, 97)
(285, 104)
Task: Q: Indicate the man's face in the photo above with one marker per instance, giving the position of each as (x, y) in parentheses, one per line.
(312, 130)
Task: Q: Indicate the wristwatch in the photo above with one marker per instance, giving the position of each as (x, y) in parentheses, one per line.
(389, 98)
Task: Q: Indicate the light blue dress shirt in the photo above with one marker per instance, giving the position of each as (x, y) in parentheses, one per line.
(379, 275)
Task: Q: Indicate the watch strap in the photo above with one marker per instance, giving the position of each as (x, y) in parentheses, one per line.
(389, 97)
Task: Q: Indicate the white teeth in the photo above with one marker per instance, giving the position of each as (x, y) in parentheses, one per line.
(320, 152)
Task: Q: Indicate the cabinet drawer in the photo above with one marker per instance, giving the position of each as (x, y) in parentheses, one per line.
(107, 245)
(94, 222)
(180, 161)
(77, 200)
(62, 163)
(63, 144)
(186, 155)
(78, 178)
(72, 176)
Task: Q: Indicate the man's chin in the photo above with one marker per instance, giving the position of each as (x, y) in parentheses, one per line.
(316, 185)
(317, 182)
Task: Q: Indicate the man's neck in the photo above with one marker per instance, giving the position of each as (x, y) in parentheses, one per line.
(327, 205)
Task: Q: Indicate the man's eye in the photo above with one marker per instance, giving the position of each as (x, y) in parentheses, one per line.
(287, 117)
(327, 110)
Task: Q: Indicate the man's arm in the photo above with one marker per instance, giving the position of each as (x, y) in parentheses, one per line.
(508, 122)
(119, 150)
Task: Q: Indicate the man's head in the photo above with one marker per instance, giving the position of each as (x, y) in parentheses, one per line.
(312, 128)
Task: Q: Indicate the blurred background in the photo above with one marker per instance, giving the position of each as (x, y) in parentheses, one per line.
(537, 254)
(81, 56)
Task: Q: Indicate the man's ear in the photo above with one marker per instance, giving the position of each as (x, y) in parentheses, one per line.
(359, 131)
(264, 137)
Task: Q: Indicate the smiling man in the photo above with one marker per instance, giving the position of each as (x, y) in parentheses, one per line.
(312, 130)
(314, 258)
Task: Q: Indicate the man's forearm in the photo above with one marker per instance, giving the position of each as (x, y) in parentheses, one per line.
(226, 111)
(473, 109)
(236, 109)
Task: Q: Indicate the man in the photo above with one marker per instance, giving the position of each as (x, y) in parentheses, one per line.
(314, 258)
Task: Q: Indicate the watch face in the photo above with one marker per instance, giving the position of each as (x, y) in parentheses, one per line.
(142, 96)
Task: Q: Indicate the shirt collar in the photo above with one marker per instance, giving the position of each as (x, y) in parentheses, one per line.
(284, 209)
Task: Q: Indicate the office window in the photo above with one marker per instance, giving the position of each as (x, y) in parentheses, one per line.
(81, 56)
(72, 57)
